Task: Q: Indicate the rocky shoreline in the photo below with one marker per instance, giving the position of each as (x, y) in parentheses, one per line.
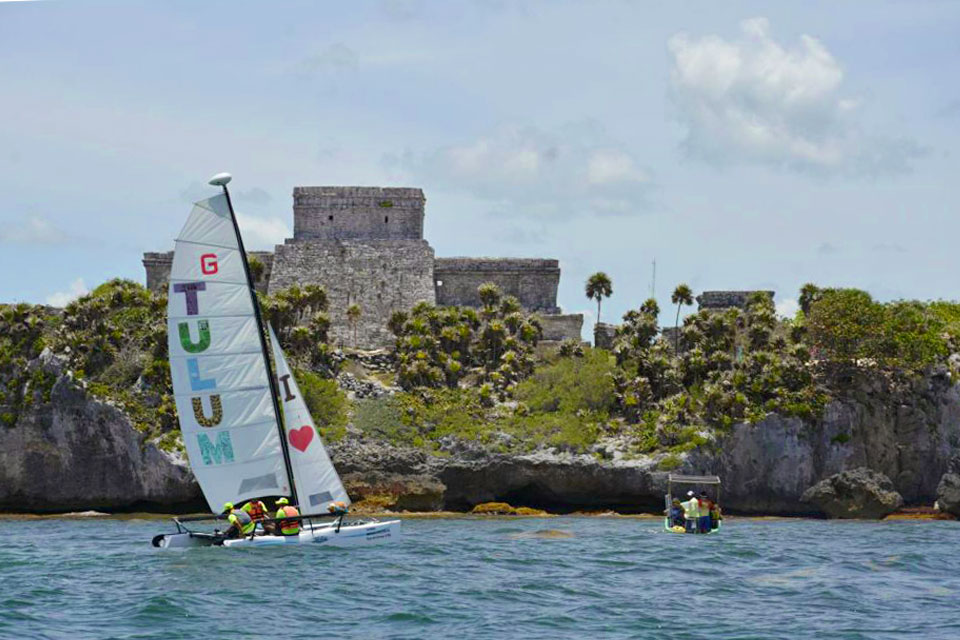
(74, 452)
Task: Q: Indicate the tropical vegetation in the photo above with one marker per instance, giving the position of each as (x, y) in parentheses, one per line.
(482, 374)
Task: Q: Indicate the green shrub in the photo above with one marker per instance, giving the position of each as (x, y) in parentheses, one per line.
(670, 462)
(326, 403)
(571, 384)
(382, 418)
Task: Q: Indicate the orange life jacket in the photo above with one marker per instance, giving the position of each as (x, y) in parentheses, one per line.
(256, 510)
(289, 526)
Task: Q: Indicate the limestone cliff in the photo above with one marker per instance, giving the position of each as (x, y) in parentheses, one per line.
(74, 452)
(908, 435)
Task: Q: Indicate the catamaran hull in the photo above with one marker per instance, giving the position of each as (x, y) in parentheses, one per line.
(349, 535)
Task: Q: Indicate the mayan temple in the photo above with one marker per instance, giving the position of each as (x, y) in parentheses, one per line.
(365, 246)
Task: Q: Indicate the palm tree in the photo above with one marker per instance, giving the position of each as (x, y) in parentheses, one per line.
(599, 286)
(809, 293)
(353, 317)
(682, 295)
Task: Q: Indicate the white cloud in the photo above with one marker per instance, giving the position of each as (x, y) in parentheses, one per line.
(62, 298)
(788, 307)
(530, 172)
(262, 233)
(33, 230)
(753, 100)
(610, 166)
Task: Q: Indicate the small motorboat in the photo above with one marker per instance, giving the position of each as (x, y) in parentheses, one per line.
(697, 483)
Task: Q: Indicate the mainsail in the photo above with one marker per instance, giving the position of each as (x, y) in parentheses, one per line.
(220, 381)
(317, 481)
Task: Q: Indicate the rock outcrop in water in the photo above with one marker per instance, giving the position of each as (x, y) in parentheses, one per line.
(74, 452)
(948, 491)
(858, 493)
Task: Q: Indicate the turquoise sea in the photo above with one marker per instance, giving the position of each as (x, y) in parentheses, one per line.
(490, 578)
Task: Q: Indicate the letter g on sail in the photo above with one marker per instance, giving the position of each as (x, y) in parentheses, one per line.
(208, 264)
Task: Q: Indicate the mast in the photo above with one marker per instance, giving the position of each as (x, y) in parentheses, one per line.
(221, 180)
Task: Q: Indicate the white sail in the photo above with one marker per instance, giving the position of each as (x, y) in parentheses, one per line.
(220, 381)
(316, 479)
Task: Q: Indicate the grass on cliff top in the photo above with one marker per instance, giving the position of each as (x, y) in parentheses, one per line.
(563, 404)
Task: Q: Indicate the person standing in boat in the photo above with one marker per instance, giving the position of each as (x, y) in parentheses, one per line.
(286, 510)
(691, 512)
(241, 524)
(705, 505)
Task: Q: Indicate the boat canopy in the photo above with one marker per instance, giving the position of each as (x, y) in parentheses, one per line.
(679, 479)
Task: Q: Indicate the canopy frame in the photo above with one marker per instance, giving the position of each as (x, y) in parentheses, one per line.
(682, 479)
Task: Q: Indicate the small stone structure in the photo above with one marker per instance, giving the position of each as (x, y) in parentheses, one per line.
(561, 326)
(357, 213)
(365, 246)
(604, 335)
(726, 299)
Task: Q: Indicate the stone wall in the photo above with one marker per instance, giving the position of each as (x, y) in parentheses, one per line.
(559, 327)
(381, 277)
(726, 299)
(158, 264)
(604, 334)
(533, 281)
(357, 213)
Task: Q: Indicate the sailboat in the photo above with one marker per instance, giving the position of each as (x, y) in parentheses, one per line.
(246, 429)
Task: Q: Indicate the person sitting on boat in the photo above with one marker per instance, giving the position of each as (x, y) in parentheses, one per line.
(705, 504)
(691, 511)
(676, 513)
(241, 524)
(257, 512)
(286, 510)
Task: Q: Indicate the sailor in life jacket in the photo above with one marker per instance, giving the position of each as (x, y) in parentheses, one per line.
(285, 510)
(241, 524)
(257, 512)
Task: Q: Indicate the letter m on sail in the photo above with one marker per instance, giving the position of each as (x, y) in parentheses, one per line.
(218, 453)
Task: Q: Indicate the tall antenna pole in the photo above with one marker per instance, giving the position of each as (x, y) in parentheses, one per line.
(221, 180)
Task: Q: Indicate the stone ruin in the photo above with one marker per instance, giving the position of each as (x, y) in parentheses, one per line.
(365, 246)
(727, 299)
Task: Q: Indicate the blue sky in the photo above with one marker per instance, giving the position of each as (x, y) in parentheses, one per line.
(740, 144)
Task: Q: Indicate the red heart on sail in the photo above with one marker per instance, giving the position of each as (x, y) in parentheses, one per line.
(301, 438)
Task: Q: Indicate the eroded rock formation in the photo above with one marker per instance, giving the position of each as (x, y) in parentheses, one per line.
(858, 493)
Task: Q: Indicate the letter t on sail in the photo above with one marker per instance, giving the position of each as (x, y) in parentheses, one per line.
(189, 289)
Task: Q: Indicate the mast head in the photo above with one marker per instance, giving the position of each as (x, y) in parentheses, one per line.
(220, 180)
